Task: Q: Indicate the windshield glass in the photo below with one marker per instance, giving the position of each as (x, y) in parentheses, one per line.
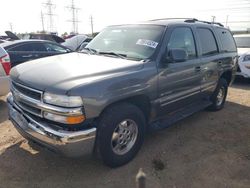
(242, 42)
(131, 41)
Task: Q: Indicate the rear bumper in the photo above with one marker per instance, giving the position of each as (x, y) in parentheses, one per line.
(69, 143)
(4, 85)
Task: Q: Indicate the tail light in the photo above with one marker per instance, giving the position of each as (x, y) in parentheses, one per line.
(5, 61)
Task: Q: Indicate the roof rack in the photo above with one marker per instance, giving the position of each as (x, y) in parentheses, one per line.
(171, 19)
(189, 20)
(196, 20)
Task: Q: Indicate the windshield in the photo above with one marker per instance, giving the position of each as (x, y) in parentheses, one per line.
(242, 42)
(131, 41)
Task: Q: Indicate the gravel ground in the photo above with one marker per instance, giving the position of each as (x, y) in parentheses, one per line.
(208, 149)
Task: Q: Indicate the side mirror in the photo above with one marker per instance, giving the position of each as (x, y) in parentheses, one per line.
(83, 45)
(177, 55)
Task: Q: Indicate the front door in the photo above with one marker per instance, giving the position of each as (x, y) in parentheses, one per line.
(179, 82)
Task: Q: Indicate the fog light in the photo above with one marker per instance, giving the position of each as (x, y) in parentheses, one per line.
(64, 119)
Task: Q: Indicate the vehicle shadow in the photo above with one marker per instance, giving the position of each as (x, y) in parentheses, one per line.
(241, 83)
(205, 150)
(3, 111)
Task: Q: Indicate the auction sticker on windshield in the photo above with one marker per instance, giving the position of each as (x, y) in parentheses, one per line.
(149, 43)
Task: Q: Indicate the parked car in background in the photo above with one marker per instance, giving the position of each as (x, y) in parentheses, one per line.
(24, 50)
(77, 43)
(42, 36)
(128, 79)
(243, 45)
(69, 36)
(9, 36)
(4, 72)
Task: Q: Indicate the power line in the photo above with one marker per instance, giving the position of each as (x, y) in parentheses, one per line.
(74, 10)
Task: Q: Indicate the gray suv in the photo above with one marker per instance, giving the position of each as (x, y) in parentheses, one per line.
(129, 79)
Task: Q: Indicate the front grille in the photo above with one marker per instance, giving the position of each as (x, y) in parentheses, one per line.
(27, 91)
(30, 93)
(30, 109)
(30, 101)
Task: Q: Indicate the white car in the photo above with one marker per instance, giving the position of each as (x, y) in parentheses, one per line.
(243, 45)
(5, 67)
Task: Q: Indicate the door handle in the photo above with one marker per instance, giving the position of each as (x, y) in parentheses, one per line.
(197, 69)
(27, 56)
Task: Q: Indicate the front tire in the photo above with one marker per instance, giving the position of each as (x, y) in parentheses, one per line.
(219, 96)
(121, 132)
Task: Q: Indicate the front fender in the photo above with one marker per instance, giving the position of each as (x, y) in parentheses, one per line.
(100, 94)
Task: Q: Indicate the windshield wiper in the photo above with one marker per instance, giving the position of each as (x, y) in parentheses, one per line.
(93, 51)
(123, 56)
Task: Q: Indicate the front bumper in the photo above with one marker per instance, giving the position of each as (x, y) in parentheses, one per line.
(69, 143)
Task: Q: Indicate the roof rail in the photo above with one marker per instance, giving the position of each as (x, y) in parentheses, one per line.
(171, 19)
(195, 20)
(189, 20)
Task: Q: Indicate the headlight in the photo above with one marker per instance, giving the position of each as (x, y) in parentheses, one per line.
(246, 58)
(64, 119)
(62, 100)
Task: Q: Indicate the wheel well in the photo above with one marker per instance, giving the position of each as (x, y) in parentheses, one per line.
(141, 101)
(227, 76)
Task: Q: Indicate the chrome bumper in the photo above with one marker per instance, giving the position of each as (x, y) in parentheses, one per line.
(69, 143)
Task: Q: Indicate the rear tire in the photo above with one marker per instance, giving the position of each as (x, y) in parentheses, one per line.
(219, 96)
(121, 132)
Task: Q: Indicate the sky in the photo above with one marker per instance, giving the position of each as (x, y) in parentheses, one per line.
(25, 15)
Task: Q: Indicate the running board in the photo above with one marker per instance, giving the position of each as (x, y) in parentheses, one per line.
(172, 118)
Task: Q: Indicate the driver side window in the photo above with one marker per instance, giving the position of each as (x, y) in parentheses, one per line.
(182, 38)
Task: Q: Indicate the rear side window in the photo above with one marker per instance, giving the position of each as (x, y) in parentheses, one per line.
(182, 37)
(227, 41)
(30, 47)
(208, 42)
(54, 48)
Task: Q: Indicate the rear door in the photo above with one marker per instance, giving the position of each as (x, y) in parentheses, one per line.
(179, 83)
(210, 60)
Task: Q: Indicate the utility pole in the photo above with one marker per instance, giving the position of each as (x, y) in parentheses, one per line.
(74, 10)
(11, 27)
(227, 20)
(92, 25)
(42, 19)
(50, 6)
(213, 19)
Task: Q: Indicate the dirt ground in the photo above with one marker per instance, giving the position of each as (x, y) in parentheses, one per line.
(208, 149)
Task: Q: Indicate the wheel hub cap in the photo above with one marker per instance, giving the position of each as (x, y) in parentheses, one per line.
(124, 136)
(220, 96)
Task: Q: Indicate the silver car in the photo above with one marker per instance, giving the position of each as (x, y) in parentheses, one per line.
(243, 45)
(4, 72)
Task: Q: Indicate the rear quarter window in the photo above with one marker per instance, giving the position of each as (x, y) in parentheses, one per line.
(227, 41)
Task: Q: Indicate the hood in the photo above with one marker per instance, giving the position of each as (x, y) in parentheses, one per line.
(242, 51)
(61, 73)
